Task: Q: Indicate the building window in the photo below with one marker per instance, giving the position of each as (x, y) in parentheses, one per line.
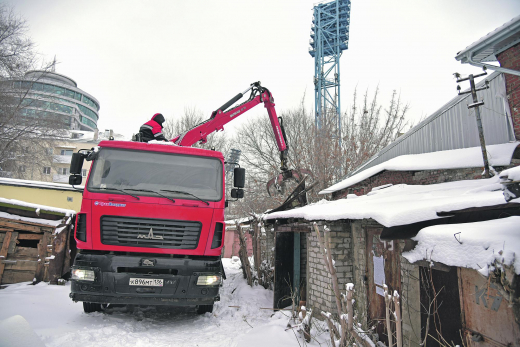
(63, 171)
(84, 172)
(47, 170)
(66, 152)
(50, 151)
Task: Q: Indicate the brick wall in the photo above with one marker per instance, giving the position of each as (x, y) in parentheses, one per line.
(510, 59)
(320, 294)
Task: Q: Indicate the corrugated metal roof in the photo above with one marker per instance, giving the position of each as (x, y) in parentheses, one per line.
(454, 126)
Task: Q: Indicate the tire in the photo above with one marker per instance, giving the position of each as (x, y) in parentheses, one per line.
(201, 309)
(89, 307)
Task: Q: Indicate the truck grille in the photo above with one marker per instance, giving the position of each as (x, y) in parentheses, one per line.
(155, 233)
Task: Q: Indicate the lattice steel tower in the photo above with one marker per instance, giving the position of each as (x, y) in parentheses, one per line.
(329, 38)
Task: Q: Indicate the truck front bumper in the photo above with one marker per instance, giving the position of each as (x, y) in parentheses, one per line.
(178, 277)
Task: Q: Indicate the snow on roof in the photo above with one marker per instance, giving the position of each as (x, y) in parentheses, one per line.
(37, 184)
(472, 245)
(405, 204)
(240, 220)
(37, 206)
(498, 155)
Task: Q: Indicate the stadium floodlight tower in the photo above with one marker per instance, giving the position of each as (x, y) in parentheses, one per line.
(329, 38)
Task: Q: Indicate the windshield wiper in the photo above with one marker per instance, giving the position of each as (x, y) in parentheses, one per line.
(122, 191)
(151, 191)
(182, 192)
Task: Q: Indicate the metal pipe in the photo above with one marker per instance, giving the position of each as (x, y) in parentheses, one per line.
(493, 67)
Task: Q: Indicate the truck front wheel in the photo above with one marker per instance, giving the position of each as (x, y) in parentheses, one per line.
(201, 309)
(89, 307)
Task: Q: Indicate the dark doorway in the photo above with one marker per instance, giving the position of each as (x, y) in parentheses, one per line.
(283, 265)
(440, 307)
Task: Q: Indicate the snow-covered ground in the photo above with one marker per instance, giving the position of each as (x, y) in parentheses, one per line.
(60, 322)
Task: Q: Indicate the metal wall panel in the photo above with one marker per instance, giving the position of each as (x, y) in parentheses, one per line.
(454, 126)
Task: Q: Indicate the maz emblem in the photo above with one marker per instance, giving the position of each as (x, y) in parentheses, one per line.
(148, 262)
(150, 236)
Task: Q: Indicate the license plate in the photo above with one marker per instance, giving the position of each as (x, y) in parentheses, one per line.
(151, 282)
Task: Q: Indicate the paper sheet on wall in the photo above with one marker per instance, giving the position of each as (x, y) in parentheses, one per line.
(379, 274)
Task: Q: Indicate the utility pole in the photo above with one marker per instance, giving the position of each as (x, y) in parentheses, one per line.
(473, 91)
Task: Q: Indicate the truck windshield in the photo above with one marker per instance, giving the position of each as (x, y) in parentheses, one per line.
(120, 169)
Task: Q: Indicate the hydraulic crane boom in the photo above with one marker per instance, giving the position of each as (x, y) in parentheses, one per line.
(220, 117)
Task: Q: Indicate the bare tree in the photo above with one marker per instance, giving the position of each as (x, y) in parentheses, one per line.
(26, 135)
(366, 129)
(16, 49)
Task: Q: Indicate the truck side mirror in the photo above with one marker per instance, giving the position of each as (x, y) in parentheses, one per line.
(75, 180)
(237, 193)
(239, 177)
(76, 164)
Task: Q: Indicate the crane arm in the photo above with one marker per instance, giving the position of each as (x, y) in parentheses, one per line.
(221, 117)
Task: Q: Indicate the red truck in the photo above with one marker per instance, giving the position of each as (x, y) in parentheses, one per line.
(151, 226)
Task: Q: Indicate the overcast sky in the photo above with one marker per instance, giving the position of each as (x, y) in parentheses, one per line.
(142, 57)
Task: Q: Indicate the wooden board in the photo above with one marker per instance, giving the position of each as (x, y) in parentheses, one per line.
(486, 311)
(26, 253)
(17, 276)
(23, 265)
(26, 223)
(42, 253)
(382, 259)
(12, 244)
(30, 236)
(20, 226)
(3, 252)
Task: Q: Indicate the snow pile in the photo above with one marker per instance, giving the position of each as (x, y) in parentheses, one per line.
(512, 174)
(510, 179)
(16, 332)
(480, 246)
(167, 143)
(498, 155)
(404, 204)
(60, 322)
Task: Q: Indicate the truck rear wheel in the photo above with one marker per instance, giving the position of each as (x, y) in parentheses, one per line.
(89, 307)
(201, 309)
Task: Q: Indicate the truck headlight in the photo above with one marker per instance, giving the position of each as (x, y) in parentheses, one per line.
(212, 280)
(83, 275)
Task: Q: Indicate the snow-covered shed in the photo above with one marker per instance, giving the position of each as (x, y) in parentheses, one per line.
(385, 237)
(35, 242)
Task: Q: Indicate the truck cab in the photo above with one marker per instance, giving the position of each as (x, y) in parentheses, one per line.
(151, 226)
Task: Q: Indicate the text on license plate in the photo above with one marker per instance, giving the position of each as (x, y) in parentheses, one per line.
(153, 282)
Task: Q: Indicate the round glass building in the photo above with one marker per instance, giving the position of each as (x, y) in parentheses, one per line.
(52, 94)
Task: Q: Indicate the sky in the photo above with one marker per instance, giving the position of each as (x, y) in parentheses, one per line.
(138, 58)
